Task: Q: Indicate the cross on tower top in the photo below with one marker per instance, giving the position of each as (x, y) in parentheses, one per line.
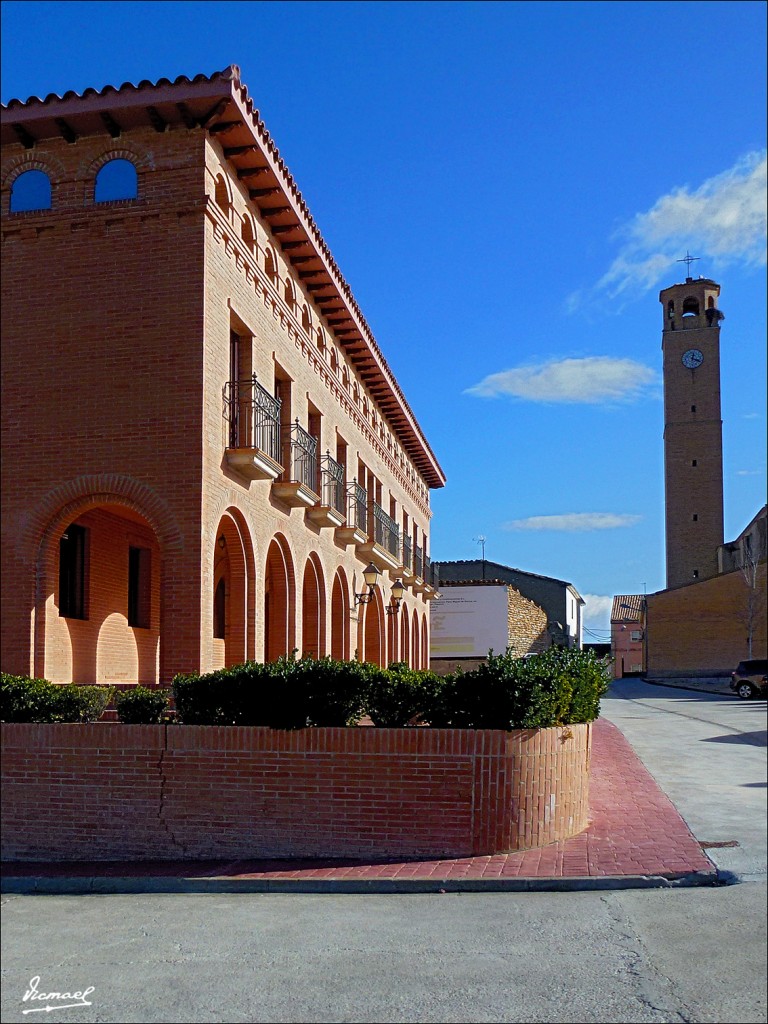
(688, 260)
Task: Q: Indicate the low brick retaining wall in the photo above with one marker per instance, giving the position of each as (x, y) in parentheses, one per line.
(133, 792)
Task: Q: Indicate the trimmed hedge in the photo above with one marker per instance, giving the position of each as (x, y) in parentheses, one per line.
(560, 686)
(557, 687)
(142, 706)
(36, 700)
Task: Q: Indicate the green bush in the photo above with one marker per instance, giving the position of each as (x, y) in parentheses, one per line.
(249, 694)
(557, 687)
(142, 706)
(400, 695)
(36, 700)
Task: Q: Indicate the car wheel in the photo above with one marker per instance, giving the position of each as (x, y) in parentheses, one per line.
(745, 690)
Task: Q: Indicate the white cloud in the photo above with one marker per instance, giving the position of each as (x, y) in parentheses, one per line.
(590, 380)
(723, 220)
(749, 472)
(597, 609)
(574, 522)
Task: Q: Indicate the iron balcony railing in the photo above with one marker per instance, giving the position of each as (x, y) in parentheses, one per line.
(418, 561)
(407, 552)
(300, 458)
(357, 507)
(253, 417)
(386, 532)
(332, 483)
(427, 567)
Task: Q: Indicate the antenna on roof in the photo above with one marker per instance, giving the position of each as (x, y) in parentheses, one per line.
(480, 539)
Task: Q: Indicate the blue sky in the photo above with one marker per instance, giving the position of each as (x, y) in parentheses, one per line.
(506, 187)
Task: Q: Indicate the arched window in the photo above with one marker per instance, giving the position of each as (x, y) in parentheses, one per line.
(670, 309)
(334, 362)
(288, 293)
(117, 179)
(247, 234)
(31, 191)
(221, 194)
(270, 266)
(690, 306)
(220, 610)
(306, 319)
(320, 341)
(710, 302)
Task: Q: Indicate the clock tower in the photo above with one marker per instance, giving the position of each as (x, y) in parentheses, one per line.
(693, 430)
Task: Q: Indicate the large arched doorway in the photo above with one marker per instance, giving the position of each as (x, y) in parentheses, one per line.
(233, 609)
(313, 610)
(279, 601)
(424, 642)
(374, 648)
(98, 606)
(416, 654)
(405, 637)
(340, 617)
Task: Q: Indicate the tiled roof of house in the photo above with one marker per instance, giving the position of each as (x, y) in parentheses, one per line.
(627, 608)
(220, 104)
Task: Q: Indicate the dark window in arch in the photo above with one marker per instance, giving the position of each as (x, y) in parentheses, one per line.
(710, 303)
(670, 309)
(247, 234)
(31, 191)
(695, 517)
(220, 610)
(221, 195)
(694, 462)
(695, 574)
(690, 306)
(117, 179)
(139, 586)
(73, 572)
(693, 408)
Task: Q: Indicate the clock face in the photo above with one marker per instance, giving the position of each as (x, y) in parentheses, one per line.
(693, 358)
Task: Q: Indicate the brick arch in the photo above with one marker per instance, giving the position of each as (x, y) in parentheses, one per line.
(313, 609)
(137, 157)
(424, 642)
(405, 635)
(67, 503)
(31, 162)
(279, 599)
(83, 492)
(340, 615)
(234, 563)
(415, 641)
(372, 631)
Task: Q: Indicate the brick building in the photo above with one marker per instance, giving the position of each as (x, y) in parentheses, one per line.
(628, 635)
(203, 445)
(713, 610)
(559, 600)
(475, 616)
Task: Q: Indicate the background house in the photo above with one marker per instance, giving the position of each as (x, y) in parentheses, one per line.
(474, 617)
(628, 635)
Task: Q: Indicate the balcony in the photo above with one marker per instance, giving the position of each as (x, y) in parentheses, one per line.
(252, 418)
(431, 579)
(407, 575)
(384, 549)
(296, 488)
(331, 511)
(356, 529)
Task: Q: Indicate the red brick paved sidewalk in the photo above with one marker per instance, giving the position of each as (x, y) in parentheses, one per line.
(636, 838)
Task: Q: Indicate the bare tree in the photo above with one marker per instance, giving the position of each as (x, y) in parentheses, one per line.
(749, 560)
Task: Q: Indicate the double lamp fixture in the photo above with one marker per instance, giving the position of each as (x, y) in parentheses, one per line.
(371, 576)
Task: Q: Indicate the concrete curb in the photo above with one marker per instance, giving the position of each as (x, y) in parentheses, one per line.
(37, 885)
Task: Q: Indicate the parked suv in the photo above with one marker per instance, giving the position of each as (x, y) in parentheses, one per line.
(750, 678)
